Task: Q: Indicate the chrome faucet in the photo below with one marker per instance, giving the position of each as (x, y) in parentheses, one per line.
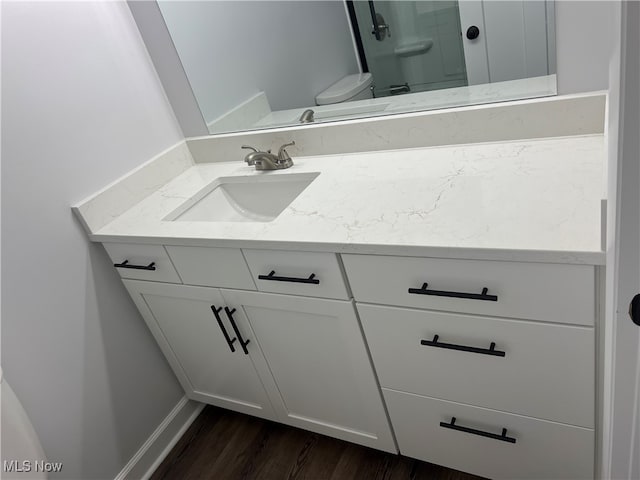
(307, 116)
(267, 160)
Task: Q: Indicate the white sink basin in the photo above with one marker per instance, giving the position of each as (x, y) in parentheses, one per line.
(243, 199)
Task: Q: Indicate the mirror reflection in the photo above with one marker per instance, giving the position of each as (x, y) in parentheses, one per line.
(265, 64)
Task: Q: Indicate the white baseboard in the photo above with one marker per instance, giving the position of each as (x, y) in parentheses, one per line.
(162, 440)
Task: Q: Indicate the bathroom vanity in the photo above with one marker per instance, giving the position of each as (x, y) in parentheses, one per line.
(443, 302)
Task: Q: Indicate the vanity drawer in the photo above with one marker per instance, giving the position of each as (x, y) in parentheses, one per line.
(547, 371)
(142, 262)
(542, 450)
(212, 267)
(297, 273)
(550, 292)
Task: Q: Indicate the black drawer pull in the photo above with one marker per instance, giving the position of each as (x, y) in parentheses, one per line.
(503, 438)
(445, 293)
(463, 348)
(126, 264)
(243, 343)
(272, 276)
(229, 340)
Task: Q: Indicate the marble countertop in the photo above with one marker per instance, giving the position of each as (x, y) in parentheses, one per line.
(534, 200)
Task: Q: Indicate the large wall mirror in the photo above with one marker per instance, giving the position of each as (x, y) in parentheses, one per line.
(264, 64)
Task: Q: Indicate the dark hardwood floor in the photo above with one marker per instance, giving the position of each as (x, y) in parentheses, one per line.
(222, 444)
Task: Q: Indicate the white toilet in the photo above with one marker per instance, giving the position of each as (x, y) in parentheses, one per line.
(19, 440)
(351, 87)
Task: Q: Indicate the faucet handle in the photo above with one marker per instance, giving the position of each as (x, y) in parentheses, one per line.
(282, 153)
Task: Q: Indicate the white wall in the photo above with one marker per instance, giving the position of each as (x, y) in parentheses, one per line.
(290, 50)
(586, 36)
(81, 106)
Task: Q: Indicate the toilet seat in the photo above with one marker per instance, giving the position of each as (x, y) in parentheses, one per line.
(345, 89)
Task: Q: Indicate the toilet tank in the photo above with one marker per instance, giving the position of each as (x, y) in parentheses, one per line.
(351, 87)
(19, 440)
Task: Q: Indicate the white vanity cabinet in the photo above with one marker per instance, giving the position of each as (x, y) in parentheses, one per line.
(485, 366)
(299, 360)
(205, 345)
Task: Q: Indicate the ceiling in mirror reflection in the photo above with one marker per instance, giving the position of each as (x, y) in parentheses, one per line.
(262, 64)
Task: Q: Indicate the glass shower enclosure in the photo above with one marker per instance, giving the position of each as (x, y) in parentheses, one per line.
(409, 46)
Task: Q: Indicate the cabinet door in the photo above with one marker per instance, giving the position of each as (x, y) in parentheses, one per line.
(194, 339)
(324, 381)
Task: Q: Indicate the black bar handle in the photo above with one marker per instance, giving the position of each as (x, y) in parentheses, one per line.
(272, 276)
(376, 29)
(503, 437)
(126, 264)
(229, 340)
(445, 293)
(463, 348)
(243, 343)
